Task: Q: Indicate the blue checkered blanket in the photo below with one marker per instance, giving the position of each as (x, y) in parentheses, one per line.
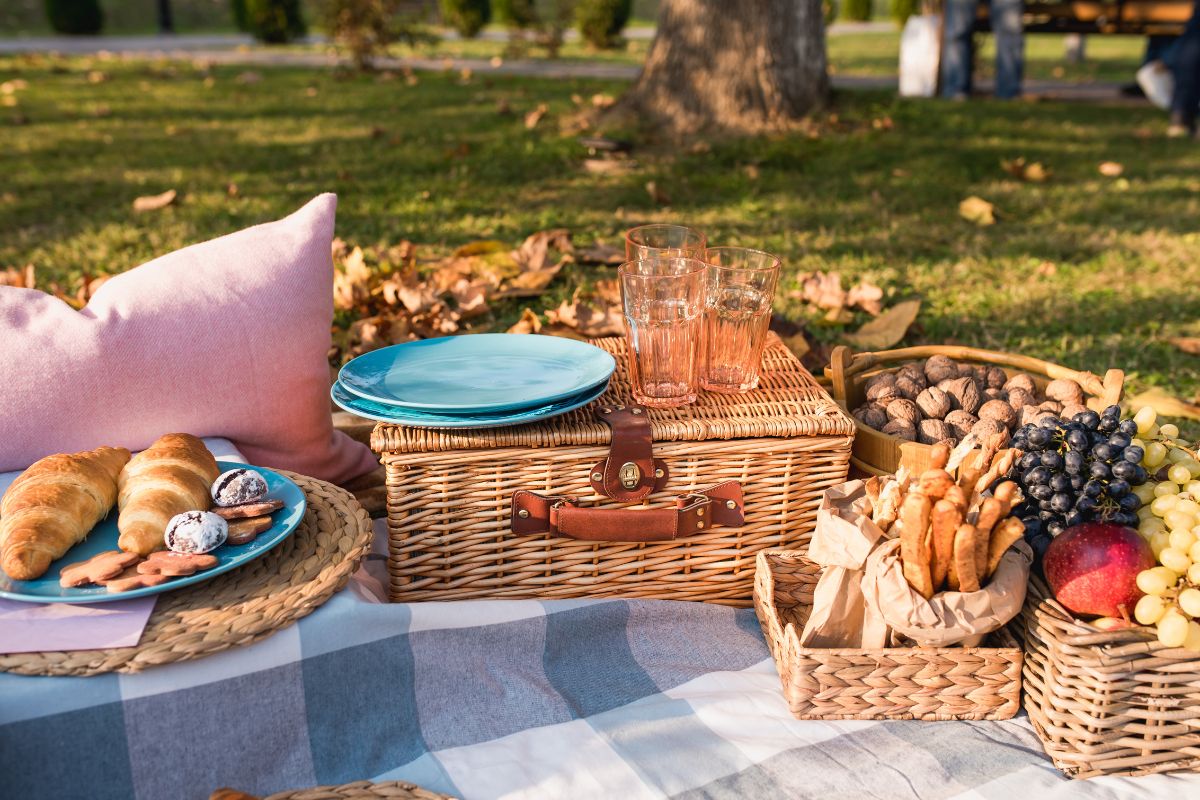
(515, 699)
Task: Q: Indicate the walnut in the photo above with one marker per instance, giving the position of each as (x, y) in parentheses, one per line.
(992, 393)
(1021, 380)
(966, 371)
(1000, 411)
(964, 394)
(1018, 398)
(904, 409)
(882, 388)
(988, 427)
(1053, 406)
(995, 378)
(939, 368)
(934, 403)
(933, 431)
(901, 429)
(1065, 391)
(872, 415)
(907, 388)
(961, 422)
(1031, 414)
(1071, 409)
(914, 372)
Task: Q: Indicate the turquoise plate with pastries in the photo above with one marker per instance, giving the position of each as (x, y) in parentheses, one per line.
(46, 589)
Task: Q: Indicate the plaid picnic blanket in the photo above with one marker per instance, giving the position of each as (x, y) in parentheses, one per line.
(516, 699)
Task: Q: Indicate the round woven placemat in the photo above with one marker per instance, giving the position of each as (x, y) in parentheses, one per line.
(364, 790)
(242, 605)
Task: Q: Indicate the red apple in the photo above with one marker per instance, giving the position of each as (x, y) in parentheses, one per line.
(1092, 568)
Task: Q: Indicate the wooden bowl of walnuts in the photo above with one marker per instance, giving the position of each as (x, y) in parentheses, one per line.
(939, 393)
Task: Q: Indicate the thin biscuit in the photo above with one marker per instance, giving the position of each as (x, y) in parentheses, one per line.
(132, 579)
(97, 569)
(244, 531)
(964, 558)
(246, 510)
(175, 565)
(1005, 536)
(944, 522)
(914, 543)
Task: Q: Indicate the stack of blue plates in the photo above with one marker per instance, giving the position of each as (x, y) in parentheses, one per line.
(475, 381)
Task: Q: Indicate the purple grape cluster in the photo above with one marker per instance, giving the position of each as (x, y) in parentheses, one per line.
(1074, 471)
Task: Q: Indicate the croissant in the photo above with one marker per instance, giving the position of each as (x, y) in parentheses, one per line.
(53, 505)
(170, 477)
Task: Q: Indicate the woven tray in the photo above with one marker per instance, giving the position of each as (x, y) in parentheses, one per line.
(240, 606)
(450, 492)
(364, 790)
(924, 683)
(1107, 702)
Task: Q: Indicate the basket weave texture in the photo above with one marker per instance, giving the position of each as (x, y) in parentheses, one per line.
(362, 790)
(890, 683)
(240, 606)
(1107, 702)
(449, 494)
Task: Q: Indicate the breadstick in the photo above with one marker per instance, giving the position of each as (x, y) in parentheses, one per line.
(1000, 466)
(961, 451)
(939, 456)
(914, 543)
(885, 511)
(871, 487)
(1005, 536)
(964, 558)
(991, 511)
(934, 483)
(944, 523)
(956, 495)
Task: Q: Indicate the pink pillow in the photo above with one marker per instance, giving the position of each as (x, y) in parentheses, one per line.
(226, 338)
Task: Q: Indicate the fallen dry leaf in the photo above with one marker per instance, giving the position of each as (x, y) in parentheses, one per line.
(529, 322)
(592, 314)
(1047, 268)
(533, 258)
(534, 117)
(1111, 169)
(248, 77)
(1164, 404)
(154, 202)
(887, 329)
(797, 343)
(866, 296)
(600, 253)
(608, 166)
(352, 280)
(1022, 170)
(823, 290)
(657, 194)
(977, 210)
(603, 100)
(21, 278)
(407, 289)
(470, 299)
(1188, 344)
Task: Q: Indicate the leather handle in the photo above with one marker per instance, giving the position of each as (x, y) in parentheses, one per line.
(630, 472)
(696, 512)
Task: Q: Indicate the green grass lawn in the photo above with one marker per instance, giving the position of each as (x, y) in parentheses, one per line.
(1085, 270)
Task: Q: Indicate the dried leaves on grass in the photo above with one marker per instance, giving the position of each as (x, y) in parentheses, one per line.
(393, 297)
(887, 329)
(1164, 404)
(977, 210)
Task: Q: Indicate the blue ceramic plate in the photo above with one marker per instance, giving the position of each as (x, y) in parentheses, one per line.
(484, 372)
(104, 537)
(423, 419)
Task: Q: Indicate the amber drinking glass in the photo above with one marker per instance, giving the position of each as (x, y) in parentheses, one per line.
(740, 285)
(649, 241)
(663, 300)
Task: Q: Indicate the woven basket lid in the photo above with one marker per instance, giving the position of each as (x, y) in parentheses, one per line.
(787, 403)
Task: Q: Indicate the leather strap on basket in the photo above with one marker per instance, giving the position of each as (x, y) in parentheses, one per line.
(696, 512)
(631, 472)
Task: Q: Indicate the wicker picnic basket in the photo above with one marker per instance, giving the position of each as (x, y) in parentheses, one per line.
(491, 513)
(924, 683)
(1107, 702)
(878, 453)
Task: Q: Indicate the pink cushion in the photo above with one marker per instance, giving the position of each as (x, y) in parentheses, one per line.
(226, 338)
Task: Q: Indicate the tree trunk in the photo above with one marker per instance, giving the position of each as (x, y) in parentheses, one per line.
(744, 67)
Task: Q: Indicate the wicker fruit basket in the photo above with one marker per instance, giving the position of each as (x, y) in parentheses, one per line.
(877, 453)
(1107, 702)
(462, 524)
(893, 683)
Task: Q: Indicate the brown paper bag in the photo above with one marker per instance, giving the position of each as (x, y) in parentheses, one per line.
(948, 618)
(862, 599)
(843, 539)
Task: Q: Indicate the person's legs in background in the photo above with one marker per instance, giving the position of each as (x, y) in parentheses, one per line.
(1186, 96)
(957, 47)
(1010, 46)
